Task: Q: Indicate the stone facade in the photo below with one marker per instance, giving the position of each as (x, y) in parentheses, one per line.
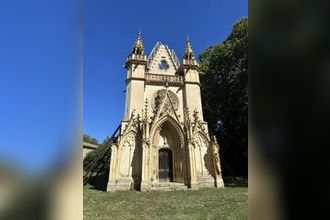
(163, 137)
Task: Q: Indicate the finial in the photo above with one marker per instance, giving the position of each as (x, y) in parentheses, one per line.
(195, 114)
(189, 54)
(138, 45)
(146, 109)
(186, 114)
(146, 106)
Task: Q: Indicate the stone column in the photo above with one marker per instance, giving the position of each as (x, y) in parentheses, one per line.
(192, 168)
(145, 181)
(112, 171)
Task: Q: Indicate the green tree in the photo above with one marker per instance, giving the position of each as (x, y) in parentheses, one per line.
(225, 96)
(87, 138)
(93, 156)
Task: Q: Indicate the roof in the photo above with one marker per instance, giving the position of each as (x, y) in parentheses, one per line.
(170, 52)
(89, 145)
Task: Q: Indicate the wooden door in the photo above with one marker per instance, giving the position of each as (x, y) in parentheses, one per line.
(165, 165)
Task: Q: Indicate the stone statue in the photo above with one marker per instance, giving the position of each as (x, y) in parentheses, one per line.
(215, 149)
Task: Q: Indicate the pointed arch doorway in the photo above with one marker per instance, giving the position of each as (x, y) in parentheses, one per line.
(165, 165)
(169, 159)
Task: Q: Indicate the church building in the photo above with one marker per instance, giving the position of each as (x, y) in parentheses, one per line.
(164, 143)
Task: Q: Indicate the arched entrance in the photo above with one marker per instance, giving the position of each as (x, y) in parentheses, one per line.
(165, 165)
(168, 155)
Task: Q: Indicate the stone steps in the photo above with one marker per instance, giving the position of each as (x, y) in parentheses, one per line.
(168, 186)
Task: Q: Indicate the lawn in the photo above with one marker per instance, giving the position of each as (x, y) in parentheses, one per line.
(228, 203)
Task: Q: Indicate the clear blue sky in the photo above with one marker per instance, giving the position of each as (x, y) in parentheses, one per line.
(39, 84)
(110, 27)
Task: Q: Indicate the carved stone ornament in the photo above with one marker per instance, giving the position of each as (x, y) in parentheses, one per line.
(200, 141)
(159, 97)
(130, 141)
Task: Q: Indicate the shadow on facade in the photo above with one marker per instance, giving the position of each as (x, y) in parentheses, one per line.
(137, 162)
(208, 161)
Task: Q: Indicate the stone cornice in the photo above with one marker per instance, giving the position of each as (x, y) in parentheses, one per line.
(136, 59)
(192, 82)
(194, 67)
(134, 78)
(89, 145)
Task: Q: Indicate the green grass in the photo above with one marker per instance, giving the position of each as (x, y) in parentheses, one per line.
(228, 203)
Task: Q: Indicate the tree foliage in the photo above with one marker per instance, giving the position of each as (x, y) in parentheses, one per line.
(92, 156)
(87, 138)
(225, 96)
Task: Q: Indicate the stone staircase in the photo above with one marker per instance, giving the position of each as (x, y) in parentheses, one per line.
(168, 186)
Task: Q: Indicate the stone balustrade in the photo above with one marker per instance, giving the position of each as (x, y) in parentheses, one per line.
(137, 57)
(164, 78)
(189, 62)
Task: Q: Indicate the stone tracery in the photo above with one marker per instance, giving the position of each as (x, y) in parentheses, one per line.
(159, 97)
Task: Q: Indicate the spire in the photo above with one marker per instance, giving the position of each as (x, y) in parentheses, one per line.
(189, 53)
(137, 55)
(138, 45)
(189, 60)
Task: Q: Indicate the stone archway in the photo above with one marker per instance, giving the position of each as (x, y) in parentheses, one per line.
(168, 135)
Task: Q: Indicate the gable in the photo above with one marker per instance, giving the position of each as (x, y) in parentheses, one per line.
(162, 60)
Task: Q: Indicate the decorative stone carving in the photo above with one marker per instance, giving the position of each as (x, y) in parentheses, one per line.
(160, 79)
(215, 149)
(201, 151)
(195, 115)
(126, 155)
(198, 125)
(200, 141)
(159, 97)
(129, 141)
(132, 125)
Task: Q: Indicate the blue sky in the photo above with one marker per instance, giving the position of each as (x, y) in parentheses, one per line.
(39, 84)
(110, 28)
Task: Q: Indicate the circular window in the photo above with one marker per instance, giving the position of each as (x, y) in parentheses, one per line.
(163, 65)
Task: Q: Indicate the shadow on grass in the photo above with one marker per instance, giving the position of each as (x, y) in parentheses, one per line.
(98, 182)
(232, 181)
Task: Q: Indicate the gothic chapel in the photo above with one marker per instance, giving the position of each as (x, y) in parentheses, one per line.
(164, 142)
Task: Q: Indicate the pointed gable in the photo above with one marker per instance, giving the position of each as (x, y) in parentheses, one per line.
(162, 60)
